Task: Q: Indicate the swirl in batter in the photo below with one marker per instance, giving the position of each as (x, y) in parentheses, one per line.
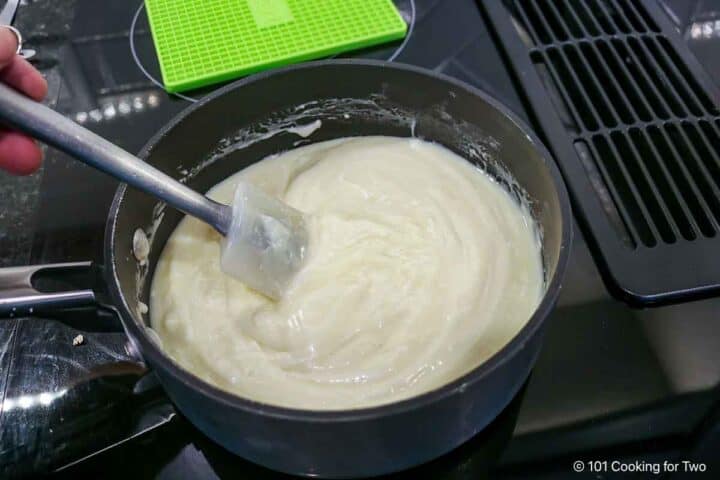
(420, 268)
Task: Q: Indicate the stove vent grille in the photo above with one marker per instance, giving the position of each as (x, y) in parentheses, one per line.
(639, 120)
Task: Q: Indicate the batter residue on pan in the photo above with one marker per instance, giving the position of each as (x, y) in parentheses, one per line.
(420, 268)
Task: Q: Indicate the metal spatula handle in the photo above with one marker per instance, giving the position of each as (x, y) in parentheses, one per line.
(54, 129)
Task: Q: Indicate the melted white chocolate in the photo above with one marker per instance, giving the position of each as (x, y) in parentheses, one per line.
(420, 268)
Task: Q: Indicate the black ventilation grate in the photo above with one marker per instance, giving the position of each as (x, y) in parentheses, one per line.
(635, 126)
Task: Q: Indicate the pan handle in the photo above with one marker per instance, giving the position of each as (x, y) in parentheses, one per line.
(19, 296)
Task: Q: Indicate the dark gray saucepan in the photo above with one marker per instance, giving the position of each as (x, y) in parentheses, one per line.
(351, 98)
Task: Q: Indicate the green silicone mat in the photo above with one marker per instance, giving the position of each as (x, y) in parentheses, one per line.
(200, 42)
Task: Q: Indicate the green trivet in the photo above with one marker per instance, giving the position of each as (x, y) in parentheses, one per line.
(200, 42)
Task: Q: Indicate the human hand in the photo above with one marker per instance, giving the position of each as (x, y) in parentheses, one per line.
(19, 154)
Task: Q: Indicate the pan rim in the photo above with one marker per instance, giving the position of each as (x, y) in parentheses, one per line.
(156, 357)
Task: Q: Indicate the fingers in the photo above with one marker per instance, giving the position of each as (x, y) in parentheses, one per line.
(19, 154)
(16, 71)
(8, 47)
(22, 76)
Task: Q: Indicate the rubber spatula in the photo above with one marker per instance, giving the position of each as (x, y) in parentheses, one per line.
(264, 239)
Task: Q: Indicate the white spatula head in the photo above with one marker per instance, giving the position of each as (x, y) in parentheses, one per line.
(266, 242)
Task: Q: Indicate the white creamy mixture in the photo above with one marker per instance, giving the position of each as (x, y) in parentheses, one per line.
(420, 267)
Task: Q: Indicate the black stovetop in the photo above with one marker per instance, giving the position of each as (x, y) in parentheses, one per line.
(611, 382)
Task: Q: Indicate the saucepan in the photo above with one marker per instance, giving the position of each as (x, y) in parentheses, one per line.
(272, 112)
